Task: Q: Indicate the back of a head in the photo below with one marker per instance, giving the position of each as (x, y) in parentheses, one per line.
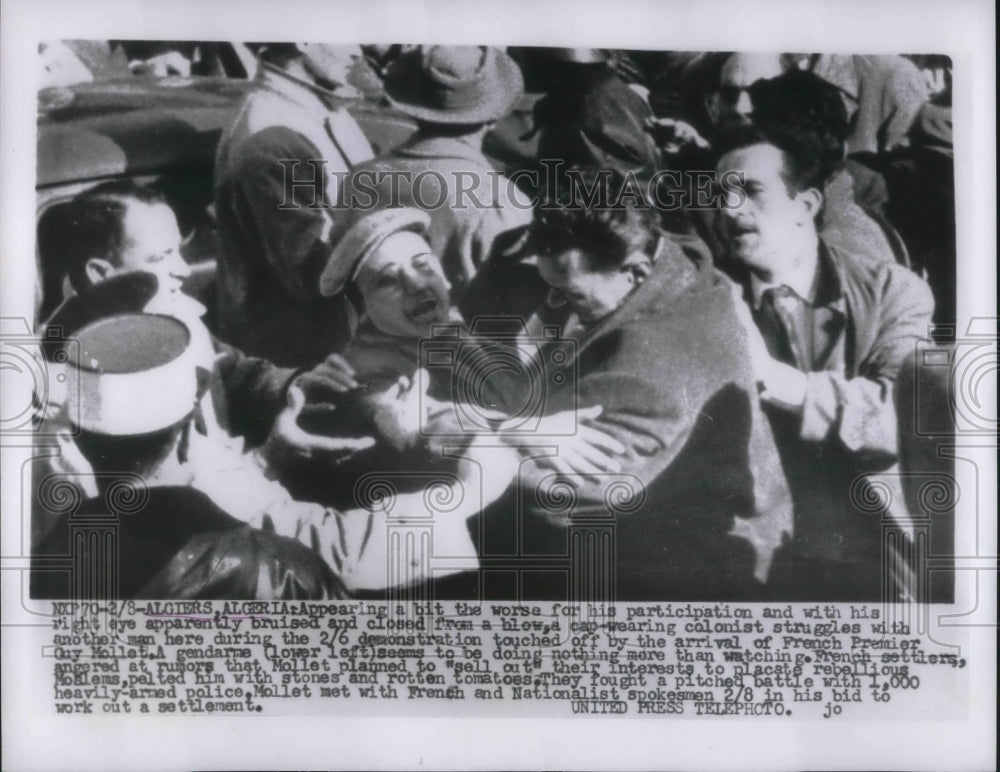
(802, 103)
(90, 225)
(128, 293)
(137, 454)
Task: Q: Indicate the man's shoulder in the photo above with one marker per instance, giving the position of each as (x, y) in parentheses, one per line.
(683, 276)
(684, 307)
(870, 280)
(885, 66)
(866, 268)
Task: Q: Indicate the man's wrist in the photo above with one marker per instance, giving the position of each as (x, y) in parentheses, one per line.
(784, 386)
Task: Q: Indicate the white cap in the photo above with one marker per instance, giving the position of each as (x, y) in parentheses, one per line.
(131, 374)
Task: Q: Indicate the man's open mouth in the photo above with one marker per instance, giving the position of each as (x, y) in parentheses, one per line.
(424, 310)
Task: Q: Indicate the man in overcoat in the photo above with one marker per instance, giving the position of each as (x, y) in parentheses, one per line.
(700, 508)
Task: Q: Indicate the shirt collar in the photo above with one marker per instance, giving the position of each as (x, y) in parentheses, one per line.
(426, 146)
(801, 281)
(817, 285)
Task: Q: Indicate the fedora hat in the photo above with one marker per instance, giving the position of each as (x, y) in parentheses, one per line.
(454, 84)
(361, 238)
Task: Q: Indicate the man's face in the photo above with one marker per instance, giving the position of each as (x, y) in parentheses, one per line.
(763, 231)
(404, 287)
(591, 293)
(330, 63)
(730, 105)
(152, 243)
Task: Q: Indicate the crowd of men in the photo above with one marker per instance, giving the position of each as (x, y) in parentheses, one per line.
(607, 325)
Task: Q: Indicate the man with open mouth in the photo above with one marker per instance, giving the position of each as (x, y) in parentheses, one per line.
(389, 270)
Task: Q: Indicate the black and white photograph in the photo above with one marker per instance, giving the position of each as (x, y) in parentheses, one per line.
(562, 323)
(487, 353)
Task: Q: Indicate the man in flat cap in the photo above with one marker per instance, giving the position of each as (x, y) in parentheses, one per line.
(455, 93)
(276, 178)
(385, 260)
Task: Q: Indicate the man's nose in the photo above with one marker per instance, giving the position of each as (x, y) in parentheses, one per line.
(179, 268)
(744, 105)
(413, 282)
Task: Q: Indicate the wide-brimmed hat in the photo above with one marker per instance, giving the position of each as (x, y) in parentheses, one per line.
(131, 374)
(361, 238)
(454, 84)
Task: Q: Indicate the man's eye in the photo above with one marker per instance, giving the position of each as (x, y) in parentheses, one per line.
(385, 280)
(423, 265)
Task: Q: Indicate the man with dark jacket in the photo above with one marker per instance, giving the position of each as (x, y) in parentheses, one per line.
(700, 508)
(277, 178)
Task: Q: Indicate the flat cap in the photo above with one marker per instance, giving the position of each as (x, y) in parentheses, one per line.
(362, 238)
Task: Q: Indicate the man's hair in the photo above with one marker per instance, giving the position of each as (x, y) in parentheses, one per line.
(91, 225)
(806, 165)
(804, 105)
(609, 228)
(354, 413)
(139, 454)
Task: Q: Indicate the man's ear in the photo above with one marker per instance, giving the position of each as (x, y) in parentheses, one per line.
(402, 385)
(97, 269)
(638, 265)
(812, 200)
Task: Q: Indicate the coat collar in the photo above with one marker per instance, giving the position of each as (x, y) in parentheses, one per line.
(823, 287)
(426, 146)
(302, 93)
(673, 275)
